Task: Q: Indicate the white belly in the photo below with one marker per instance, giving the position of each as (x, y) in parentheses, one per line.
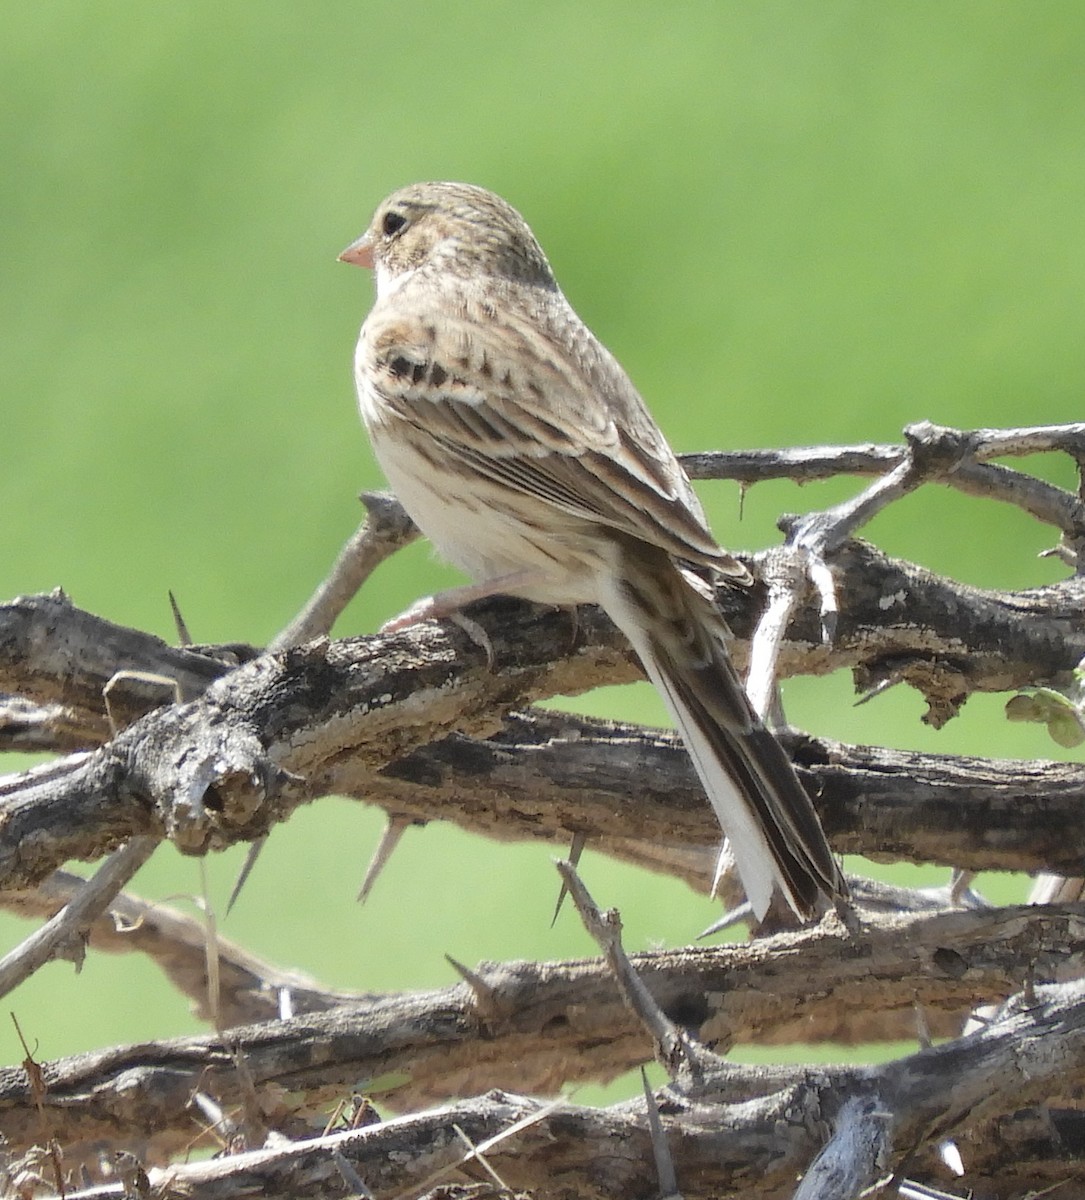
(490, 530)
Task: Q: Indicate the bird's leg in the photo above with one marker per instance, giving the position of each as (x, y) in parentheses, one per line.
(445, 604)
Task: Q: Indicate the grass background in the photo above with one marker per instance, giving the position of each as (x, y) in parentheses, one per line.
(792, 223)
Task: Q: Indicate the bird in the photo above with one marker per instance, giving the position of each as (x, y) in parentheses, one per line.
(521, 448)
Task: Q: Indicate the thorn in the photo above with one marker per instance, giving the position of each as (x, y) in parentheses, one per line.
(821, 576)
(882, 686)
(480, 1158)
(950, 1154)
(922, 1029)
(960, 882)
(393, 831)
(211, 949)
(184, 638)
(661, 1152)
(485, 996)
(254, 853)
(510, 1131)
(726, 885)
(1063, 553)
(576, 849)
(724, 862)
(735, 916)
(948, 1150)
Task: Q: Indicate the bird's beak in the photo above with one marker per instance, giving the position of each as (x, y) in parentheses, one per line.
(359, 253)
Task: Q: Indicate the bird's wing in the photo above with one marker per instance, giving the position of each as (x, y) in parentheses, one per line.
(528, 397)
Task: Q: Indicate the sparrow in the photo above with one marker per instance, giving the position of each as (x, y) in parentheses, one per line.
(520, 447)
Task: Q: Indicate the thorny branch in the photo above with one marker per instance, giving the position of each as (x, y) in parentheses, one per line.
(419, 724)
(372, 718)
(533, 1026)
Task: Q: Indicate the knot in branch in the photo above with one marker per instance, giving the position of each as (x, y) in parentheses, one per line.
(206, 783)
(936, 450)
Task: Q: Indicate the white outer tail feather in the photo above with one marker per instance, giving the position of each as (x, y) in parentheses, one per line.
(756, 864)
(757, 868)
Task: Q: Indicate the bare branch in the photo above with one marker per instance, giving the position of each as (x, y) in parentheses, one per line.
(854, 1157)
(785, 583)
(753, 1146)
(56, 654)
(31, 727)
(386, 529)
(546, 1024)
(661, 1151)
(1030, 439)
(802, 464)
(63, 934)
(334, 717)
(895, 620)
(678, 1054)
(250, 988)
(954, 457)
(423, 724)
(818, 534)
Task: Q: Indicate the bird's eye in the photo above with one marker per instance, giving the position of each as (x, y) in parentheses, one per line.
(393, 222)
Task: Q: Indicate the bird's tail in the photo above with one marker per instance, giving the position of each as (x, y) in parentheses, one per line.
(680, 639)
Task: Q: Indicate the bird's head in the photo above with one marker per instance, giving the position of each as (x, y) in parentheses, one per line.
(449, 227)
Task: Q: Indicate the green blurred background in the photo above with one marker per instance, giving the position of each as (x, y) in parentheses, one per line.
(793, 223)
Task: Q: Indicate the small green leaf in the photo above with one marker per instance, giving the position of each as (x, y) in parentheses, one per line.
(1023, 708)
(1065, 728)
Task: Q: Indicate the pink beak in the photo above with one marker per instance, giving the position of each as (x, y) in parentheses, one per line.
(359, 253)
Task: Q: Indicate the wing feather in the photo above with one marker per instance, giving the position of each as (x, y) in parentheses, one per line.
(555, 417)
